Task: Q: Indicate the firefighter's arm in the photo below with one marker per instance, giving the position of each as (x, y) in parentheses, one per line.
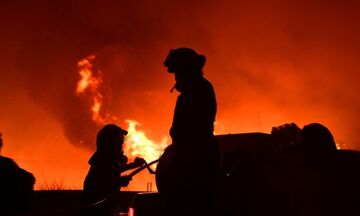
(137, 163)
(124, 181)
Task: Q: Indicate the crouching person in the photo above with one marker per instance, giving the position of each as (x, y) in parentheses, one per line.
(103, 181)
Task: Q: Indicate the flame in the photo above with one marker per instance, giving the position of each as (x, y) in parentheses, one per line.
(89, 84)
(340, 145)
(139, 145)
(87, 78)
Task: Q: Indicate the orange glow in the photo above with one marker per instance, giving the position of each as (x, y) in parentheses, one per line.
(131, 212)
(139, 145)
(270, 63)
(90, 83)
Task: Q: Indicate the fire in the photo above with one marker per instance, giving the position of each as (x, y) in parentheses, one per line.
(139, 145)
(89, 83)
(87, 78)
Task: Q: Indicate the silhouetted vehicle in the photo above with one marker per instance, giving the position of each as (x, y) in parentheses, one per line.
(261, 177)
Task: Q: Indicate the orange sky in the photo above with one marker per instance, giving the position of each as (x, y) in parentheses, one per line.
(270, 63)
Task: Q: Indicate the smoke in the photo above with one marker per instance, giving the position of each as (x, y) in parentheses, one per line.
(270, 63)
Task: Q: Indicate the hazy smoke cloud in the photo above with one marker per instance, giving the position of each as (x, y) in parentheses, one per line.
(270, 63)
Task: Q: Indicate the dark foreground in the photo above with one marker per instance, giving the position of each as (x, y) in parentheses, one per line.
(258, 178)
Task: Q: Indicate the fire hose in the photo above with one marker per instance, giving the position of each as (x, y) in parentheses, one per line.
(99, 202)
(133, 173)
(146, 165)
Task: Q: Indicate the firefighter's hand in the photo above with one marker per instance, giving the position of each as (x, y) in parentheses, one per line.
(125, 180)
(139, 161)
(123, 160)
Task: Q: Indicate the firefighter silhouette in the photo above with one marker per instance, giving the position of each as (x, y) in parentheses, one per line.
(188, 170)
(104, 179)
(16, 187)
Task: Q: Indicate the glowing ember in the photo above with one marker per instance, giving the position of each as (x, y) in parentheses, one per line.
(340, 146)
(139, 145)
